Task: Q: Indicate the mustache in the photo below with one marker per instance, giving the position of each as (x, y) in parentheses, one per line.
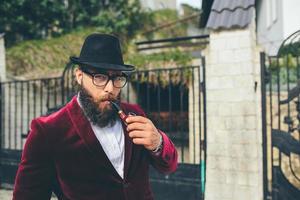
(106, 98)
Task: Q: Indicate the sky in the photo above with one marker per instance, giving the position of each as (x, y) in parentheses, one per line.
(194, 3)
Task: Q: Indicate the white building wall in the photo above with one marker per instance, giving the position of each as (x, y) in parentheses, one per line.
(276, 20)
(270, 29)
(158, 4)
(291, 17)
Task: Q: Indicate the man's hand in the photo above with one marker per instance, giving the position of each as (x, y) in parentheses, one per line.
(143, 132)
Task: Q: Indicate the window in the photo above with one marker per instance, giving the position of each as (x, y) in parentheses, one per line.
(271, 15)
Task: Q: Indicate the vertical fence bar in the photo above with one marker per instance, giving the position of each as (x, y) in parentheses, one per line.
(170, 102)
(279, 106)
(297, 83)
(201, 163)
(9, 115)
(269, 74)
(41, 96)
(2, 114)
(138, 86)
(204, 123)
(62, 82)
(158, 98)
(68, 82)
(28, 104)
(34, 98)
(194, 131)
(72, 81)
(22, 113)
(200, 111)
(15, 116)
(278, 92)
(288, 90)
(182, 137)
(279, 113)
(264, 123)
(48, 83)
(1, 122)
(147, 93)
(1, 129)
(55, 92)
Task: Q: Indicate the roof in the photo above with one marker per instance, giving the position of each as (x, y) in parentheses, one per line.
(2, 35)
(231, 14)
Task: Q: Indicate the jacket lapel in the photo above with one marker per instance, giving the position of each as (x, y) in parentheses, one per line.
(85, 131)
(128, 146)
(128, 151)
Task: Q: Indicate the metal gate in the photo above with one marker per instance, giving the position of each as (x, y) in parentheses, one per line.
(280, 77)
(174, 99)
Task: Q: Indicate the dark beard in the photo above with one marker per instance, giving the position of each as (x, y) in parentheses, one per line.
(102, 118)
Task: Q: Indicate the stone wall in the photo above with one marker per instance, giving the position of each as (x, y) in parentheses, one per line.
(234, 137)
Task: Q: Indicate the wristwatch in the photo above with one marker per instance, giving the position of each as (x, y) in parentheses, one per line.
(159, 147)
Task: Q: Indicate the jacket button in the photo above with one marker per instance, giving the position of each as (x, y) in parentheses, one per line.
(126, 185)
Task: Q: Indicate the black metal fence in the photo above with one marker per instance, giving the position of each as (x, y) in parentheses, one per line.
(281, 122)
(20, 102)
(174, 99)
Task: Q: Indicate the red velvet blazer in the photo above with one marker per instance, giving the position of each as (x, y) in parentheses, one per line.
(62, 147)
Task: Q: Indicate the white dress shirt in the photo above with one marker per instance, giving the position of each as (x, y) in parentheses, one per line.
(112, 142)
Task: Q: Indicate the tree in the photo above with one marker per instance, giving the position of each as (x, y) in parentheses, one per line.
(37, 19)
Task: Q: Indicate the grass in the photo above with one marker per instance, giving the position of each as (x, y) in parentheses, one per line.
(38, 58)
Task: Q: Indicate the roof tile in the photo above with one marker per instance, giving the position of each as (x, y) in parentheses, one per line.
(230, 14)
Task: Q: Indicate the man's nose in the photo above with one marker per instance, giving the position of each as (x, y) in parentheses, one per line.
(109, 87)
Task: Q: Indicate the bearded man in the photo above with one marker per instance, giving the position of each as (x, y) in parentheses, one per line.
(85, 150)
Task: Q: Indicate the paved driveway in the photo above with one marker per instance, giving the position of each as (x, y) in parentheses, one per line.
(7, 195)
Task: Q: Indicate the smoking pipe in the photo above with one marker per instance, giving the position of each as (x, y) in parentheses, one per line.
(120, 112)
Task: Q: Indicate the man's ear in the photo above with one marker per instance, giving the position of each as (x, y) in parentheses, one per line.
(79, 75)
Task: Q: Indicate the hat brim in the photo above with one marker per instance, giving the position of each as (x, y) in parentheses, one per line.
(105, 66)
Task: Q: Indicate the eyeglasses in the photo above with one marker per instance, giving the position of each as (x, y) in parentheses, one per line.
(100, 80)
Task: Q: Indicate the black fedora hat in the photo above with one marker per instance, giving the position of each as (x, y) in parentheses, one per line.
(102, 51)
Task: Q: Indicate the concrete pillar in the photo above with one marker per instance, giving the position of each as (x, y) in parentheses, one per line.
(2, 59)
(194, 115)
(234, 136)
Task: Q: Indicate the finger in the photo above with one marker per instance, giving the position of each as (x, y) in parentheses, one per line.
(137, 126)
(132, 114)
(137, 134)
(132, 119)
(140, 141)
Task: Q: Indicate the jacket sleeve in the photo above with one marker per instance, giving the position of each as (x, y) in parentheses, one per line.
(36, 171)
(166, 160)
